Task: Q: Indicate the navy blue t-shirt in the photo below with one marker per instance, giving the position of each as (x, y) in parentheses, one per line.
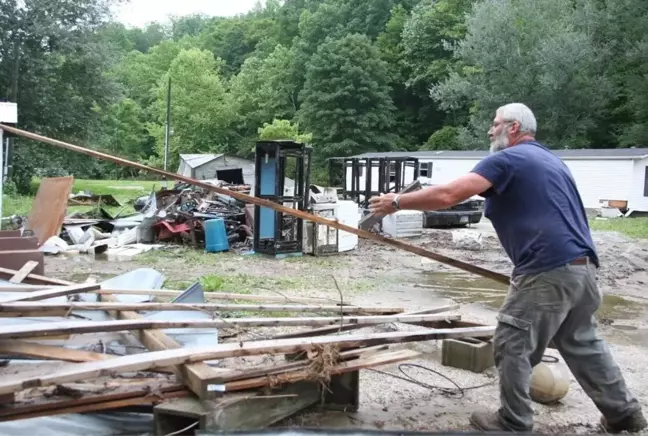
(535, 208)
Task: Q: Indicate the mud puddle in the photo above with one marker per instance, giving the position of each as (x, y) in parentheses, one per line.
(465, 289)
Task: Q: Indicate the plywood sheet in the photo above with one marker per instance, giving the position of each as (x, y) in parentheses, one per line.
(48, 209)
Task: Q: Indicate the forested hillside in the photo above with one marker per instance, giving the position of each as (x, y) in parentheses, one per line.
(346, 75)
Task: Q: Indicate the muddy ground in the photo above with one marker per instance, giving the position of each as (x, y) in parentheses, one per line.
(379, 275)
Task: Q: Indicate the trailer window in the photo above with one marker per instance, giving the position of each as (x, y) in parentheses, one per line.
(425, 169)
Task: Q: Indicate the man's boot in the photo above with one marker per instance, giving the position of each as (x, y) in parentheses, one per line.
(632, 423)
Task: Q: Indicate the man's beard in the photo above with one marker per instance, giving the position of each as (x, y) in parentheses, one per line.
(499, 143)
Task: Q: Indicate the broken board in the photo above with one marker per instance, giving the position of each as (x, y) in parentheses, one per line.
(49, 207)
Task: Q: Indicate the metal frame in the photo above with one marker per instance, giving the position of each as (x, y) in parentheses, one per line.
(384, 165)
(288, 233)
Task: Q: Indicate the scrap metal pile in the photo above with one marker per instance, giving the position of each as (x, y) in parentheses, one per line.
(102, 346)
(174, 215)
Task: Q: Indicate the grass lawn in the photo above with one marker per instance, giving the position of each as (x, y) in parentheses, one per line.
(633, 227)
(123, 191)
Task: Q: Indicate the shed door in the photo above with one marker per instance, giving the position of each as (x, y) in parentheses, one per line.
(646, 183)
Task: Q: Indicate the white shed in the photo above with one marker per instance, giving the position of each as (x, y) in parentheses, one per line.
(231, 169)
(616, 175)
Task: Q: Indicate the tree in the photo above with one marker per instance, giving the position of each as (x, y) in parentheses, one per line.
(427, 37)
(446, 138)
(265, 89)
(52, 64)
(619, 32)
(201, 111)
(534, 53)
(345, 101)
(283, 129)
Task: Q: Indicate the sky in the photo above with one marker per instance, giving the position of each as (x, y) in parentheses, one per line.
(140, 12)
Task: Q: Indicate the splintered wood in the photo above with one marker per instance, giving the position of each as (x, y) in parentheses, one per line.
(253, 352)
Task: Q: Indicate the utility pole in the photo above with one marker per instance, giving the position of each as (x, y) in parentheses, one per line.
(167, 128)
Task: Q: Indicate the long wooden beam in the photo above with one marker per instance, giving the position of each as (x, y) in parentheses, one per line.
(140, 362)
(346, 327)
(174, 293)
(43, 330)
(12, 308)
(502, 278)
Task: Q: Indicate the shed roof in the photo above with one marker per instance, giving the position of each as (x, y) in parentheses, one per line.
(580, 153)
(197, 160)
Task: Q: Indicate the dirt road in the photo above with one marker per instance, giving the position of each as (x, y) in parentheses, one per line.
(375, 274)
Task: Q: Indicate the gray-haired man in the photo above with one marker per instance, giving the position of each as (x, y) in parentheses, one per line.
(537, 212)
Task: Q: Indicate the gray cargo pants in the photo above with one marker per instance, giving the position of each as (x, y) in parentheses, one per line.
(558, 305)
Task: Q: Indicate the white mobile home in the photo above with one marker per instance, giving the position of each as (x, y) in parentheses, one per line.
(619, 176)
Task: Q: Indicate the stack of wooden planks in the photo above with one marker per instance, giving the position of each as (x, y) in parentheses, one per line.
(264, 344)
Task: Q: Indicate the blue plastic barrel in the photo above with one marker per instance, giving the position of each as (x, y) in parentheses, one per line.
(216, 236)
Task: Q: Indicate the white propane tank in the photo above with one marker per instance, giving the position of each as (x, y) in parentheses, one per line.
(549, 383)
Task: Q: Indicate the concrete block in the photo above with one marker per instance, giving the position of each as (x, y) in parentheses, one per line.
(343, 392)
(467, 353)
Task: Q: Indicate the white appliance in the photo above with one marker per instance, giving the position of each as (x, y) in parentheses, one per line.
(403, 224)
(321, 239)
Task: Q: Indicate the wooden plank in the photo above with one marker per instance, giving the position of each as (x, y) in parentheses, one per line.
(9, 233)
(144, 361)
(347, 327)
(34, 314)
(15, 259)
(92, 403)
(193, 374)
(247, 373)
(502, 278)
(154, 340)
(32, 349)
(24, 272)
(175, 293)
(20, 307)
(8, 271)
(81, 327)
(49, 206)
(377, 359)
(51, 293)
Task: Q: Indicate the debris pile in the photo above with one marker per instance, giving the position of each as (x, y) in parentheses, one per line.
(176, 215)
(97, 347)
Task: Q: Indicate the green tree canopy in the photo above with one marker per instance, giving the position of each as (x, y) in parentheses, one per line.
(345, 101)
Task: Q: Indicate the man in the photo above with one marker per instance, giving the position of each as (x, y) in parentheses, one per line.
(536, 210)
